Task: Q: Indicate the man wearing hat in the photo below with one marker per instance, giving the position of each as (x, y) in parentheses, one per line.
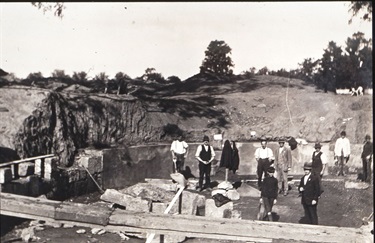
(205, 154)
(283, 163)
(319, 163)
(367, 158)
(310, 190)
(268, 194)
(342, 151)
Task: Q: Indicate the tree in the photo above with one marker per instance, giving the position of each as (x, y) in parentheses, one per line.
(356, 7)
(120, 79)
(263, 71)
(79, 76)
(57, 7)
(60, 74)
(152, 76)
(330, 66)
(174, 79)
(307, 68)
(35, 76)
(217, 59)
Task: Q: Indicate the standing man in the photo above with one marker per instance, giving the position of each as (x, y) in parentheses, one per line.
(269, 194)
(310, 190)
(367, 158)
(342, 151)
(179, 152)
(264, 157)
(283, 163)
(205, 154)
(319, 163)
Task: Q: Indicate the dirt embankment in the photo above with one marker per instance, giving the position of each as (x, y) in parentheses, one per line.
(41, 121)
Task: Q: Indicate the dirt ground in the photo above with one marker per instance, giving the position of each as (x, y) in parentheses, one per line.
(338, 206)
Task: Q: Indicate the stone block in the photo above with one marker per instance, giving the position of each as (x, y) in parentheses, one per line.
(38, 167)
(217, 212)
(34, 185)
(26, 169)
(168, 238)
(5, 175)
(130, 202)
(160, 207)
(94, 164)
(50, 165)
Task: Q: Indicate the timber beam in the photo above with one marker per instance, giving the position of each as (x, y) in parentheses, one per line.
(184, 225)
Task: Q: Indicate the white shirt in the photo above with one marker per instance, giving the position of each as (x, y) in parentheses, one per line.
(199, 149)
(306, 178)
(342, 146)
(264, 153)
(179, 147)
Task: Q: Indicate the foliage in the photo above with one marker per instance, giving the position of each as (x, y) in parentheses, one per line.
(60, 74)
(357, 6)
(79, 76)
(57, 7)
(263, 71)
(173, 79)
(121, 83)
(35, 76)
(152, 76)
(217, 59)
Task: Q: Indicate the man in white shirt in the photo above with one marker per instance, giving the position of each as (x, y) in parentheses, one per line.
(205, 154)
(179, 152)
(264, 157)
(342, 151)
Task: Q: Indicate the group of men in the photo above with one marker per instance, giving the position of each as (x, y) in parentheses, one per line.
(310, 186)
(279, 161)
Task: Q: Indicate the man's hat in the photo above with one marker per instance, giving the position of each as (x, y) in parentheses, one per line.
(271, 169)
(367, 136)
(205, 138)
(282, 140)
(307, 166)
(318, 145)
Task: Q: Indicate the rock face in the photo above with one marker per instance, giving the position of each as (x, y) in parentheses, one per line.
(40, 121)
(61, 125)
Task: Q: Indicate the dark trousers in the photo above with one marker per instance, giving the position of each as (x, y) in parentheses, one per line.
(366, 169)
(311, 213)
(263, 165)
(180, 163)
(317, 174)
(342, 159)
(204, 172)
(268, 204)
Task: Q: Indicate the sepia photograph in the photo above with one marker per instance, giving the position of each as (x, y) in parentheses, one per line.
(186, 122)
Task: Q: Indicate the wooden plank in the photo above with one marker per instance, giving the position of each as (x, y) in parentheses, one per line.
(236, 227)
(79, 212)
(28, 205)
(26, 160)
(186, 225)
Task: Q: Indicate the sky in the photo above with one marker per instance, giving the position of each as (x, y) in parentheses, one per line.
(114, 37)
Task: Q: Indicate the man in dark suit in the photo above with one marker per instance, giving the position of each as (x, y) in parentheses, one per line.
(310, 190)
